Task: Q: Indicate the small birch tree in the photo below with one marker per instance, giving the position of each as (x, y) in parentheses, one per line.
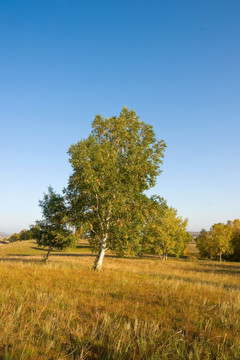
(220, 237)
(52, 231)
(166, 232)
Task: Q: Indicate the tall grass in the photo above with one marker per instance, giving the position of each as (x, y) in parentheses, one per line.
(133, 309)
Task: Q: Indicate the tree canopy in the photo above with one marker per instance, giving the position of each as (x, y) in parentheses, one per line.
(14, 237)
(112, 169)
(219, 242)
(166, 232)
(25, 235)
(53, 230)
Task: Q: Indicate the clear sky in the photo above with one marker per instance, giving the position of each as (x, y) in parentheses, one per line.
(176, 63)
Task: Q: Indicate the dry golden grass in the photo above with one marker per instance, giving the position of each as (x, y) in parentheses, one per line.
(133, 309)
(192, 251)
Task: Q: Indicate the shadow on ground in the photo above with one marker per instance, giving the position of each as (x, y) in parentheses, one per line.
(233, 270)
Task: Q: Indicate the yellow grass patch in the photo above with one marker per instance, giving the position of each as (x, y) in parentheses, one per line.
(133, 309)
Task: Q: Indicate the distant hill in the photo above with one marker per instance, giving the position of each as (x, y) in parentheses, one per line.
(194, 234)
(3, 234)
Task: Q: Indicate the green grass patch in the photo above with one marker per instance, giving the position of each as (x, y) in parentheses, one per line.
(30, 248)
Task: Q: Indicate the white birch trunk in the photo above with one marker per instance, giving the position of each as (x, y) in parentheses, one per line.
(165, 256)
(99, 258)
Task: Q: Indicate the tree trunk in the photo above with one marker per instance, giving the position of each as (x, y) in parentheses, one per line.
(99, 259)
(220, 257)
(47, 255)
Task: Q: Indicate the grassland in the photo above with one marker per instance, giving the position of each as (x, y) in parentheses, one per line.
(133, 309)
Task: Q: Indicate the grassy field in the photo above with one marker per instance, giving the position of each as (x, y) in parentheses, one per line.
(133, 309)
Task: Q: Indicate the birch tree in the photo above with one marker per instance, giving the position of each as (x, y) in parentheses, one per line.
(217, 242)
(221, 238)
(166, 232)
(53, 230)
(112, 169)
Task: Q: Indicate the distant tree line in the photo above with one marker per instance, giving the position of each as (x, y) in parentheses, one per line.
(221, 242)
(21, 236)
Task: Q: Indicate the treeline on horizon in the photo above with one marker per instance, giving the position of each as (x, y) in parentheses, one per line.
(221, 242)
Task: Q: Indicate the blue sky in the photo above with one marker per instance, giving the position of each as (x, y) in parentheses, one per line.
(176, 63)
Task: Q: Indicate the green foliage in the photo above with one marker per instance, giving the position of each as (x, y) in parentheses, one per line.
(111, 169)
(53, 230)
(25, 235)
(235, 240)
(14, 237)
(217, 242)
(203, 244)
(126, 235)
(165, 231)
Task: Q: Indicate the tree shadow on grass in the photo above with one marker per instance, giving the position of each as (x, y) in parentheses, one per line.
(55, 252)
(83, 247)
(198, 281)
(23, 257)
(218, 264)
(221, 271)
(18, 259)
(38, 258)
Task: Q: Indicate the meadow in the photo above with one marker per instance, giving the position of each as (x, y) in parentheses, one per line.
(140, 308)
